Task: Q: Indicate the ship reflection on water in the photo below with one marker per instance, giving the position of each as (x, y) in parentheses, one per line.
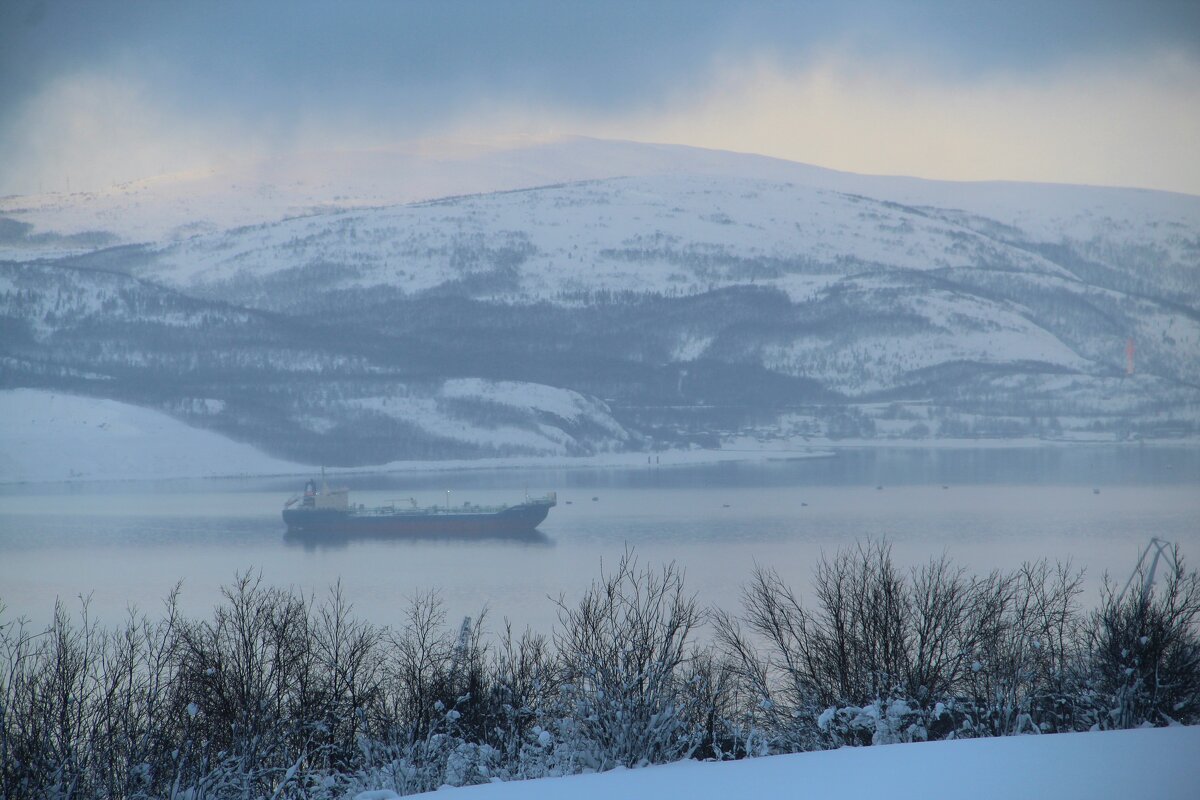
(331, 540)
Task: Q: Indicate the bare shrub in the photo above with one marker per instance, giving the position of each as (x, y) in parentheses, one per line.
(1144, 646)
(418, 669)
(927, 654)
(347, 678)
(1024, 653)
(769, 651)
(279, 695)
(711, 699)
(622, 653)
(83, 709)
(246, 680)
(523, 688)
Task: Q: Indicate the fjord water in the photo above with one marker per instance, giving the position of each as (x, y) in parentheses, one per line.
(127, 544)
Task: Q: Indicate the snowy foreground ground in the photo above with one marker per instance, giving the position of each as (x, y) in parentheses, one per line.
(1161, 763)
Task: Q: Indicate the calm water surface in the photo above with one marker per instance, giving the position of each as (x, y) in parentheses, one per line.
(127, 544)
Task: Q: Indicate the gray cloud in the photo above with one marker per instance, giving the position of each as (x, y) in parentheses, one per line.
(214, 76)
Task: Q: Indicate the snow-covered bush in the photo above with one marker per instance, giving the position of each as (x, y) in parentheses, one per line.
(523, 683)
(623, 653)
(1023, 666)
(441, 759)
(1144, 650)
(881, 722)
(278, 695)
(993, 653)
(84, 711)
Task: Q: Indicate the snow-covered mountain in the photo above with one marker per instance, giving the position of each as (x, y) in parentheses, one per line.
(177, 206)
(665, 234)
(694, 291)
(299, 388)
(962, 282)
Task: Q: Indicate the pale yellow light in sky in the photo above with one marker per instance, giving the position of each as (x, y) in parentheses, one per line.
(1129, 124)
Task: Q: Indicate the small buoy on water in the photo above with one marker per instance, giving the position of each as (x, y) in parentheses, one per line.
(568, 502)
(725, 505)
(1095, 491)
(944, 486)
(594, 499)
(879, 488)
(804, 505)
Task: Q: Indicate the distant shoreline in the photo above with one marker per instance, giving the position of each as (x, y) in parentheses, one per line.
(742, 450)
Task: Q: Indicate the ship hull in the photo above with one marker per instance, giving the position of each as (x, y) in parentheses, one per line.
(519, 519)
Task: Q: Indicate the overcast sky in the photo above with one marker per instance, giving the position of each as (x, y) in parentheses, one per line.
(1087, 92)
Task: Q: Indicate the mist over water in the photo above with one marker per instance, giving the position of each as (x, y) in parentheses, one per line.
(126, 544)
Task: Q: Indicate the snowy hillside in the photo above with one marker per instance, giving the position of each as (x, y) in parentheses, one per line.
(1158, 763)
(56, 437)
(506, 417)
(645, 234)
(613, 295)
(252, 192)
(51, 436)
(878, 293)
(297, 389)
(238, 194)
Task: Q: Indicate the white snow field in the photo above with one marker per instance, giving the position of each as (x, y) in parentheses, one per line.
(47, 437)
(50, 436)
(683, 233)
(180, 205)
(1160, 763)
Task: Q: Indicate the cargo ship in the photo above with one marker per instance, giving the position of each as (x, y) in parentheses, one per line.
(321, 510)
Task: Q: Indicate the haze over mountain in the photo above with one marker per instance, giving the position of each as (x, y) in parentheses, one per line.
(251, 192)
(574, 295)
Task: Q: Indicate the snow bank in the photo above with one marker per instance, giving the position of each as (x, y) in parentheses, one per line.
(1159, 763)
(49, 436)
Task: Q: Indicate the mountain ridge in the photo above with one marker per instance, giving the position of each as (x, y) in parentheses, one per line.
(263, 190)
(748, 305)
